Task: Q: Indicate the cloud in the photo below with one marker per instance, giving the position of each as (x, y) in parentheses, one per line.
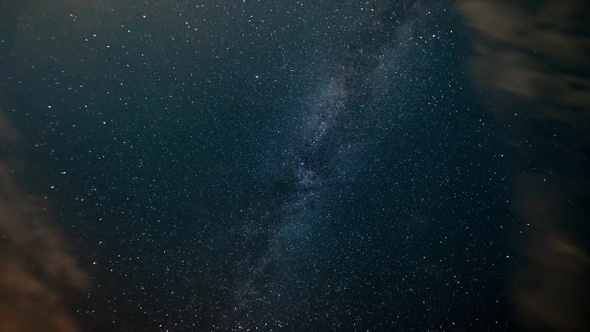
(532, 59)
(37, 272)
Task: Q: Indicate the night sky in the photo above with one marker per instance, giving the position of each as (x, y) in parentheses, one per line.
(270, 165)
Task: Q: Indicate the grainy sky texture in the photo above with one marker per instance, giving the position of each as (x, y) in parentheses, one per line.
(294, 165)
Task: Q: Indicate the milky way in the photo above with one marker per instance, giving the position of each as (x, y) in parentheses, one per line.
(285, 165)
(333, 128)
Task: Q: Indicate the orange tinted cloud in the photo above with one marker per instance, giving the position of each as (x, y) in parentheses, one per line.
(37, 272)
(532, 58)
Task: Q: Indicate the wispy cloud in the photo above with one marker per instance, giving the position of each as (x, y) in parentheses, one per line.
(37, 272)
(533, 58)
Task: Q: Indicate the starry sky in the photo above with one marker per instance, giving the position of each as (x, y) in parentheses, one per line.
(236, 165)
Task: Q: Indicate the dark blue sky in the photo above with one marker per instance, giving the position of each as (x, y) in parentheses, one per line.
(287, 166)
